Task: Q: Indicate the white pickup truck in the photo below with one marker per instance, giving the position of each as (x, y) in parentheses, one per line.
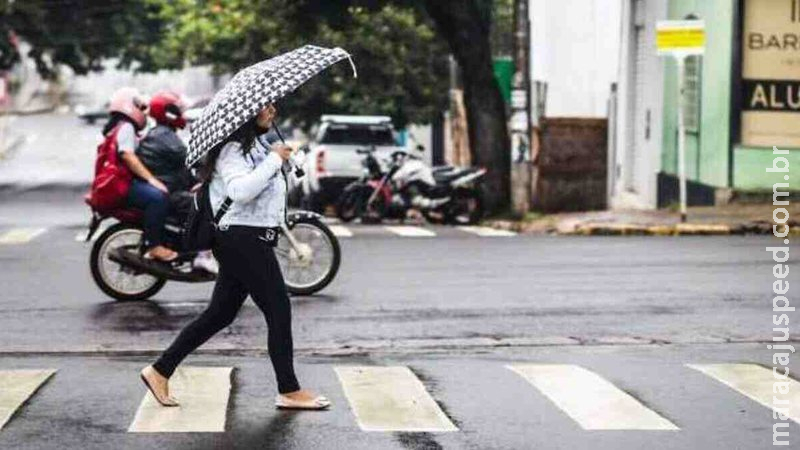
(333, 162)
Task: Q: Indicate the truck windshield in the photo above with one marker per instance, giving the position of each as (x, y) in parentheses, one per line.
(357, 135)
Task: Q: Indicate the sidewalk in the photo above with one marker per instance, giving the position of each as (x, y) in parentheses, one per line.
(712, 220)
(53, 150)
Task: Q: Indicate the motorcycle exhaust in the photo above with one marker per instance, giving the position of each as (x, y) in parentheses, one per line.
(467, 179)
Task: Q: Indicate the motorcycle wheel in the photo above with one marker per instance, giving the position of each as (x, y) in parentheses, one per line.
(116, 281)
(466, 208)
(311, 269)
(375, 212)
(350, 204)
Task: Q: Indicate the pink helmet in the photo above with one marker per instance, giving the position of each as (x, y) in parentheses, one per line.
(130, 102)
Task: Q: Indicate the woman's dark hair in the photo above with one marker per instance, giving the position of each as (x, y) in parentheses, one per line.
(115, 119)
(244, 135)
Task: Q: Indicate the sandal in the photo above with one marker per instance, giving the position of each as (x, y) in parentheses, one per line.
(161, 254)
(169, 402)
(315, 404)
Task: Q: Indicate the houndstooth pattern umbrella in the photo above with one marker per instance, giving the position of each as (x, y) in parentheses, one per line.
(252, 89)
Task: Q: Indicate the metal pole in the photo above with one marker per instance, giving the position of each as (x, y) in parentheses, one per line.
(522, 49)
(681, 139)
(520, 122)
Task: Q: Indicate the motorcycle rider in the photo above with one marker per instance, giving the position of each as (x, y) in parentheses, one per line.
(163, 152)
(127, 107)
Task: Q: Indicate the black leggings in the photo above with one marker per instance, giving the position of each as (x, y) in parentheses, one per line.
(247, 266)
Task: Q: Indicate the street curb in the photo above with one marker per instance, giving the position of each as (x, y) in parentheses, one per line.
(400, 347)
(17, 188)
(29, 112)
(682, 229)
(760, 227)
(16, 141)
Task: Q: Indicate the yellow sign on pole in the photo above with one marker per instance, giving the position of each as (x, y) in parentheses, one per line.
(680, 37)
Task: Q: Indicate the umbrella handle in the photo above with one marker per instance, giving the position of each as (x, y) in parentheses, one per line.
(299, 173)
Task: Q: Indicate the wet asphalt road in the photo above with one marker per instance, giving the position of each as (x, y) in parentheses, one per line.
(455, 308)
(91, 401)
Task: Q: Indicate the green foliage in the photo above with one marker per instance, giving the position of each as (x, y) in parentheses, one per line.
(503, 28)
(402, 63)
(77, 33)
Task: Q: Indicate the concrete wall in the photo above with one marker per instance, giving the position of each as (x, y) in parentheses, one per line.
(572, 165)
(575, 49)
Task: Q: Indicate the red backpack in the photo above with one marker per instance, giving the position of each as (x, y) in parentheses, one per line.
(112, 178)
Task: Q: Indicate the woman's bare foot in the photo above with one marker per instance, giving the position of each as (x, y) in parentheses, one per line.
(158, 386)
(161, 253)
(301, 399)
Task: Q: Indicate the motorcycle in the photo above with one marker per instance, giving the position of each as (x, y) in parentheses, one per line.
(444, 194)
(308, 252)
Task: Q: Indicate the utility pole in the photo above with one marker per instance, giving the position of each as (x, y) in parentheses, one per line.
(520, 123)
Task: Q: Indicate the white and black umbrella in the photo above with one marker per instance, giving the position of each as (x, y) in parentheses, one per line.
(252, 89)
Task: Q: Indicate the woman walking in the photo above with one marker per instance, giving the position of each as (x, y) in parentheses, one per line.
(253, 177)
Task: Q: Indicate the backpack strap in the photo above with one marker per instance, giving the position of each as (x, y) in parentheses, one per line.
(223, 208)
(110, 143)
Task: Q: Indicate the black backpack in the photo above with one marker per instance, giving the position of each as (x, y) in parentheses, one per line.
(198, 233)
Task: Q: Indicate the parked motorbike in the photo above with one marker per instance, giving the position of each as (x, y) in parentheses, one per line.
(443, 194)
(308, 252)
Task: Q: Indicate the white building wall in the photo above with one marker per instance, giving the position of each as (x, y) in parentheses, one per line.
(95, 88)
(575, 48)
(635, 159)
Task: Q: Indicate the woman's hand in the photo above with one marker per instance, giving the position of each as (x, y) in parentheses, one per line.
(139, 169)
(283, 150)
(158, 185)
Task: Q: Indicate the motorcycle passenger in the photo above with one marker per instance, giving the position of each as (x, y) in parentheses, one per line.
(163, 152)
(148, 193)
(127, 108)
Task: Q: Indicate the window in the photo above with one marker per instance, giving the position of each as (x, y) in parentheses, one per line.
(692, 85)
(357, 135)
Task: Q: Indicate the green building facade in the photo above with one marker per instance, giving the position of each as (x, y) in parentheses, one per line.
(742, 96)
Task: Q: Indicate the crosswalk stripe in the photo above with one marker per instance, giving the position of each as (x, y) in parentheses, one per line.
(756, 383)
(20, 235)
(16, 387)
(593, 402)
(340, 231)
(203, 396)
(410, 231)
(391, 399)
(487, 231)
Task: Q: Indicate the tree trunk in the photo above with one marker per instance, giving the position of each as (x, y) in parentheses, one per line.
(465, 25)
